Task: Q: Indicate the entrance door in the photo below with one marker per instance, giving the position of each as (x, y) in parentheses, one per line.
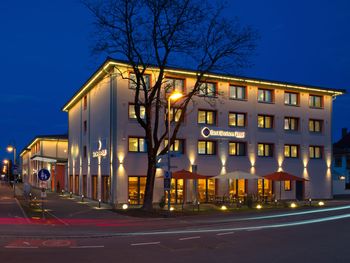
(94, 187)
(299, 190)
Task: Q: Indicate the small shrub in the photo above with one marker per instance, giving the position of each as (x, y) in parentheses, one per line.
(162, 202)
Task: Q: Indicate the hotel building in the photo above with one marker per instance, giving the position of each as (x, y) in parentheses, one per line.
(251, 125)
(49, 152)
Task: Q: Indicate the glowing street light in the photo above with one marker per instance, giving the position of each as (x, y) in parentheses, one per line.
(11, 149)
(173, 96)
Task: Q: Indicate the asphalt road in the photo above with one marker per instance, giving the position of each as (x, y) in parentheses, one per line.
(90, 235)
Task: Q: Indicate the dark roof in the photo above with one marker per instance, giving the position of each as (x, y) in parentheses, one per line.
(343, 145)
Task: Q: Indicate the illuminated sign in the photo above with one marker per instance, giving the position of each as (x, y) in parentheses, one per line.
(100, 152)
(206, 132)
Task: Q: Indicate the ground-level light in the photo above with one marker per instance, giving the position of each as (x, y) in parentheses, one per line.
(172, 208)
(258, 206)
(293, 205)
(223, 207)
(125, 206)
(321, 203)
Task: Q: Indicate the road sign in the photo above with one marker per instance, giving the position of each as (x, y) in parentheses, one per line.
(43, 184)
(44, 175)
(167, 182)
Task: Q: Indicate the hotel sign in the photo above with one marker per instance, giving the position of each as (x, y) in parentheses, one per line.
(207, 132)
(101, 152)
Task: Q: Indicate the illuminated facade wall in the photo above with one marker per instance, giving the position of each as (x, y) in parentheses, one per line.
(100, 113)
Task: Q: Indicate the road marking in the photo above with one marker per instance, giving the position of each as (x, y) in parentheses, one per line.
(226, 233)
(145, 244)
(19, 247)
(60, 220)
(189, 238)
(253, 229)
(88, 247)
(24, 213)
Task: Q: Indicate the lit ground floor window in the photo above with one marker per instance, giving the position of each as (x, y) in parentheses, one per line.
(177, 191)
(266, 189)
(136, 189)
(238, 187)
(206, 190)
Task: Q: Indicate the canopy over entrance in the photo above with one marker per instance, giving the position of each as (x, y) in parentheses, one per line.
(237, 175)
(184, 174)
(283, 176)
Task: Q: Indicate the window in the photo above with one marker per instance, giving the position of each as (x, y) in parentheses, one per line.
(291, 151)
(338, 161)
(85, 151)
(315, 125)
(207, 89)
(291, 98)
(206, 147)
(236, 119)
(133, 81)
(265, 95)
(315, 101)
(265, 149)
(85, 102)
(315, 152)
(177, 147)
(172, 84)
(265, 121)
(132, 112)
(237, 148)
(237, 92)
(85, 127)
(137, 144)
(288, 185)
(207, 117)
(291, 124)
(175, 114)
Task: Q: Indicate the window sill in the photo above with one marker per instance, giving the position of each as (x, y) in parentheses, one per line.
(292, 105)
(316, 108)
(238, 99)
(266, 102)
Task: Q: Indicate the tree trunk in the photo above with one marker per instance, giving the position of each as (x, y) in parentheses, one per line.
(151, 174)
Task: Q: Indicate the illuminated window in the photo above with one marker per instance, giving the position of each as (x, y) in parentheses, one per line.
(291, 151)
(315, 101)
(172, 84)
(133, 81)
(315, 152)
(237, 148)
(132, 112)
(291, 124)
(265, 95)
(236, 119)
(265, 121)
(206, 147)
(315, 125)
(207, 89)
(177, 147)
(265, 150)
(137, 144)
(175, 114)
(207, 117)
(137, 186)
(288, 185)
(237, 92)
(290, 98)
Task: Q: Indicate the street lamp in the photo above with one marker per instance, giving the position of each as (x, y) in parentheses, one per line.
(173, 96)
(6, 164)
(11, 149)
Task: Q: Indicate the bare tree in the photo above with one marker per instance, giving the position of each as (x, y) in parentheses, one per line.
(155, 33)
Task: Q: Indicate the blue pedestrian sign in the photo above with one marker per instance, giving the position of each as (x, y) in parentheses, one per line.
(44, 175)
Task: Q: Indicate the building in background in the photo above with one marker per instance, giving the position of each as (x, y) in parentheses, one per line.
(49, 152)
(252, 125)
(341, 166)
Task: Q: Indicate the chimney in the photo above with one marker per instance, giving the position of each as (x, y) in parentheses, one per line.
(344, 132)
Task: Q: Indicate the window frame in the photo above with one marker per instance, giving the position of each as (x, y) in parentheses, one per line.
(237, 113)
(146, 74)
(206, 147)
(271, 150)
(237, 86)
(243, 144)
(182, 143)
(272, 96)
(133, 104)
(314, 147)
(313, 101)
(291, 118)
(206, 90)
(289, 99)
(314, 121)
(289, 188)
(173, 114)
(167, 78)
(206, 117)
(265, 115)
(138, 144)
(290, 151)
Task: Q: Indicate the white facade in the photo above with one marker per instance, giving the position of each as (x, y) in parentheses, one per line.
(103, 116)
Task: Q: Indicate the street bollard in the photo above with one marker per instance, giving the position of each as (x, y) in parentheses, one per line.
(82, 198)
(310, 201)
(30, 196)
(99, 203)
(70, 195)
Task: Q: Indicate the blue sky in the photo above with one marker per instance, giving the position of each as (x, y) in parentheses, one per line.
(45, 56)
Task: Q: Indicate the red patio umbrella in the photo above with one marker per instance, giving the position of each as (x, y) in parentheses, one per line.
(184, 174)
(283, 176)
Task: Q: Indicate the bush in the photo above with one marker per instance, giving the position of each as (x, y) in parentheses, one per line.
(249, 201)
(162, 202)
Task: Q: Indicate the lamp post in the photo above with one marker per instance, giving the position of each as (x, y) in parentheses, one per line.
(173, 96)
(6, 163)
(11, 149)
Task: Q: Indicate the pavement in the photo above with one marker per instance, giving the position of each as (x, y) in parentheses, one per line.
(80, 232)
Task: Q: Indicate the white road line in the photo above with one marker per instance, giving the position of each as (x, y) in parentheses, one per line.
(24, 213)
(19, 247)
(226, 233)
(63, 222)
(189, 238)
(145, 244)
(88, 247)
(253, 229)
